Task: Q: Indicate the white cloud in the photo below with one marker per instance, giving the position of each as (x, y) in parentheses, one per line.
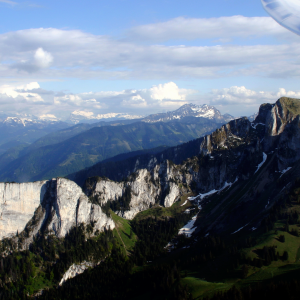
(22, 91)
(82, 55)
(42, 58)
(135, 101)
(86, 114)
(168, 91)
(30, 98)
(240, 95)
(224, 29)
(48, 117)
(8, 2)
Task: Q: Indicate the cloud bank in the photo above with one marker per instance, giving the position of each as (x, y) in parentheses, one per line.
(236, 47)
(31, 99)
(50, 53)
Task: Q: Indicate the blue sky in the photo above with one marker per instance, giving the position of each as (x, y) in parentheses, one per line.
(141, 57)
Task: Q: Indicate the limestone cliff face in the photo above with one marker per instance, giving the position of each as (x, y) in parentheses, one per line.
(18, 203)
(52, 206)
(146, 188)
(281, 130)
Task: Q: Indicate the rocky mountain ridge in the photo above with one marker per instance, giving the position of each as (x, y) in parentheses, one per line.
(232, 154)
(235, 151)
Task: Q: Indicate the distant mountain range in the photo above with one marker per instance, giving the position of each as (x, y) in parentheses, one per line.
(77, 116)
(190, 110)
(18, 129)
(187, 110)
(35, 148)
(25, 130)
(69, 151)
(88, 117)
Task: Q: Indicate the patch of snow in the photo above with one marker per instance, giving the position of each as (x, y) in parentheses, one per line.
(200, 197)
(236, 137)
(284, 171)
(254, 125)
(185, 202)
(169, 247)
(226, 185)
(188, 228)
(207, 235)
(187, 211)
(90, 115)
(265, 156)
(240, 229)
(282, 188)
(208, 114)
(253, 228)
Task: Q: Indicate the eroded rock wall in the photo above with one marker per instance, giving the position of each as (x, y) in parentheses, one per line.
(18, 202)
(146, 188)
(56, 206)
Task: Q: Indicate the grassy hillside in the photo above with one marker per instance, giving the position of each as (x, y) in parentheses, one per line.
(267, 254)
(124, 233)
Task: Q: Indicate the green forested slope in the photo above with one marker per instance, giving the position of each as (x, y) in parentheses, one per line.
(16, 149)
(251, 264)
(97, 144)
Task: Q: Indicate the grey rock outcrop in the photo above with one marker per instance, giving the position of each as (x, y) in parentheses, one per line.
(145, 189)
(281, 130)
(53, 206)
(75, 270)
(18, 202)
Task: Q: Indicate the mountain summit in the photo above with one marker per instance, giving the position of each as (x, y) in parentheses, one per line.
(190, 110)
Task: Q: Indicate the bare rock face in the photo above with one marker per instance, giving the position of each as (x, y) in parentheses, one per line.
(53, 206)
(281, 130)
(18, 202)
(75, 270)
(67, 206)
(145, 189)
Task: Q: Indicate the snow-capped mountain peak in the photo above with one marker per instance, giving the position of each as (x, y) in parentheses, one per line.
(190, 110)
(87, 116)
